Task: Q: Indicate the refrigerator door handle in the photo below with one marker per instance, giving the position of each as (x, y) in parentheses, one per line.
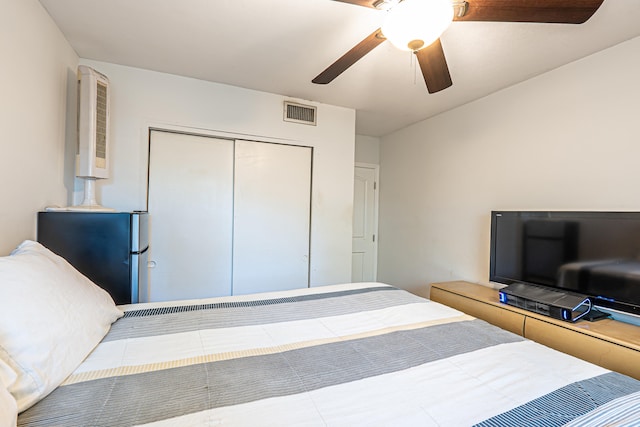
(140, 252)
(139, 274)
(135, 275)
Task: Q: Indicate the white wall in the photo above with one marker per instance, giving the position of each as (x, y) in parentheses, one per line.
(37, 80)
(367, 149)
(141, 98)
(566, 140)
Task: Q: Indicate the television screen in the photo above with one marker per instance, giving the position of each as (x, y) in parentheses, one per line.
(596, 254)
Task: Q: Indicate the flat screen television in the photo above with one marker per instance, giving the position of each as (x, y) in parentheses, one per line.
(596, 254)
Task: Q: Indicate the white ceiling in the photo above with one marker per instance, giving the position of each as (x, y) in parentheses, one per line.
(278, 46)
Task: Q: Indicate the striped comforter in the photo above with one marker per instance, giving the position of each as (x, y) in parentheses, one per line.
(336, 355)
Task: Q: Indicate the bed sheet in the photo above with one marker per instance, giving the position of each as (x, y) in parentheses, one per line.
(353, 354)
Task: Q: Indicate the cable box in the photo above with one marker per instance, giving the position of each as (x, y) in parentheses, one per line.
(557, 304)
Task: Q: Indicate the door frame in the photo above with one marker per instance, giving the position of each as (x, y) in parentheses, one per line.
(376, 199)
(234, 141)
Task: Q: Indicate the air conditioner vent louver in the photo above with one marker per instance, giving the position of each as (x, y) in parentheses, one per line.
(93, 124)
(101, 122)
(298, 113)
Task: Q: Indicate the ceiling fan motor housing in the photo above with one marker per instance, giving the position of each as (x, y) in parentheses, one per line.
(415, 24)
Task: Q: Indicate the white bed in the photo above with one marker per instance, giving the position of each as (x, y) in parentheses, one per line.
(352, 354)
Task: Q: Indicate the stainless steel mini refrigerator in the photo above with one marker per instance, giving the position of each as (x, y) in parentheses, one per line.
(110, 248)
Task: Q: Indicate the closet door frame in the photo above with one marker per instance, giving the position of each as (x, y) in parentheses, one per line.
(233, 138)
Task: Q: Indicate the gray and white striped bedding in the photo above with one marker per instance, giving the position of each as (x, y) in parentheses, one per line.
(356, 354)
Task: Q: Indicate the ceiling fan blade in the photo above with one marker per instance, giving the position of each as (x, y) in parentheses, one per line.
(543, 11)
(365, 3)
(434, 67)
(350, 58)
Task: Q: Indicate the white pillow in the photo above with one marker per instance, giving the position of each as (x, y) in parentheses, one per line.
(51, 317)
(8, 409)
(8, 405)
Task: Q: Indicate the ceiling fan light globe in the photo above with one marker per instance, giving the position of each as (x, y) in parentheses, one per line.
(417, 23)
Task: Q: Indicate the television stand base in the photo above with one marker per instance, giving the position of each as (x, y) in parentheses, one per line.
(594, 315)
(609, 343)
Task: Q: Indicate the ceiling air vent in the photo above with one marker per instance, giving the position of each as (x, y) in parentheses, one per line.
(299, 113)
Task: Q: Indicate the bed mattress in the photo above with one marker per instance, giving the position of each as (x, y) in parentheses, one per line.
(353, 354)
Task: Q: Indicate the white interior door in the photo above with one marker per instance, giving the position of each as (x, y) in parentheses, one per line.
(365, 206)
(191, 216)
(272, 210)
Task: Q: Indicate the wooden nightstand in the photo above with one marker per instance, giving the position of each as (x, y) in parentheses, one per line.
(611, 344)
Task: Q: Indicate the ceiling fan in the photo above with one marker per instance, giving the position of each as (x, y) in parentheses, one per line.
(434, 16)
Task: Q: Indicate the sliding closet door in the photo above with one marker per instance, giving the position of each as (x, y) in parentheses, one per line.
(191, 215)
(272, 209)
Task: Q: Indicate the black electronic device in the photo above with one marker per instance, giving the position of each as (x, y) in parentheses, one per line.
(546, 301)
(595, 254)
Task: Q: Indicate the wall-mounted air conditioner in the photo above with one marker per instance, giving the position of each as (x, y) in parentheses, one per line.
(92, 153)
(93, 124)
